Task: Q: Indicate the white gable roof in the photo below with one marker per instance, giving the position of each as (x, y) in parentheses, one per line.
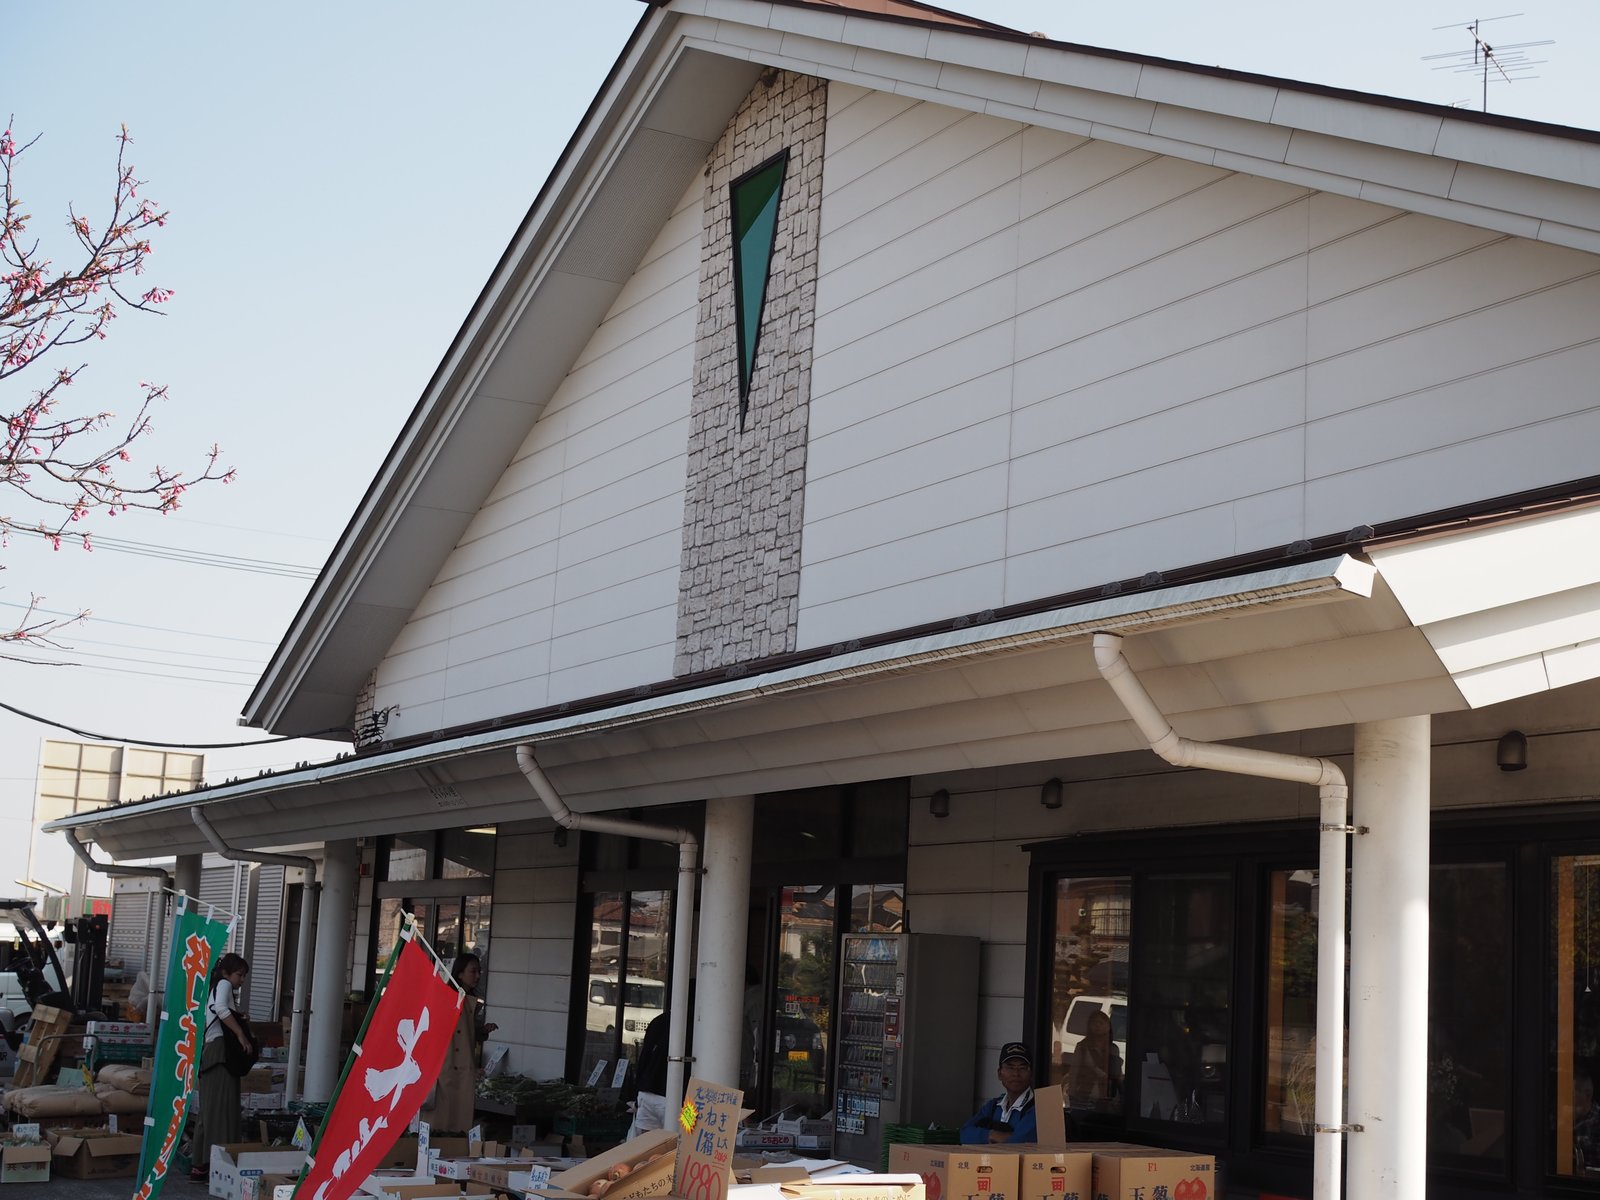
(679, 79)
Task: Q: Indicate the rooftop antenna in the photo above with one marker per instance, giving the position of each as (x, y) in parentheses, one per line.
(1505, 63)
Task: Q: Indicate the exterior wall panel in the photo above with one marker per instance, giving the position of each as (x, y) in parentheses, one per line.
(1163, 362)
(566, 584)
(529, 966)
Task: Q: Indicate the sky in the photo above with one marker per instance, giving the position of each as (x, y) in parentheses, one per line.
(341, 180)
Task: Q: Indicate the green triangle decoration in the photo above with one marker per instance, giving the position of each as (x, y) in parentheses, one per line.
(754, 198)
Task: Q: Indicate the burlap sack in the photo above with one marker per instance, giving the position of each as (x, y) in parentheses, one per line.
(120, 1102)
(127, 1077)
(44, 1102)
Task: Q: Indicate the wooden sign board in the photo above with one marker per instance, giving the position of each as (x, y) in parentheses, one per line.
(709, 1123)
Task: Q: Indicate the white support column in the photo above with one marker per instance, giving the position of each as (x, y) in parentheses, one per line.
(724, 909)
(330, 972)
(1389, 961)
(186, 875)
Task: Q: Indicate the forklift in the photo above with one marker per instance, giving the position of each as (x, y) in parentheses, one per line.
(31, 973)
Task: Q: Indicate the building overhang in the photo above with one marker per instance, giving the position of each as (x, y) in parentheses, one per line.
(1248, 654)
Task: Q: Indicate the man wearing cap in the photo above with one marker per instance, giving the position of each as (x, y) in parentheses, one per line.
(1009, 1117)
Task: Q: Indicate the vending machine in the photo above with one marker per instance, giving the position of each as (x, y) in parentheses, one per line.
(908, 1017)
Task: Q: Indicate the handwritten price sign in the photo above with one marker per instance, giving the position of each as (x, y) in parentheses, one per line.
(710, 1121)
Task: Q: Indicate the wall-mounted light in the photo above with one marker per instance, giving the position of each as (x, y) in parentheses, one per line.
(1512, 752)
(939, 803)
(561, 835)
(1050, 794)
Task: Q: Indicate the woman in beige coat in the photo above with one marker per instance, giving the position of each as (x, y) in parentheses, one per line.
(452, 1104)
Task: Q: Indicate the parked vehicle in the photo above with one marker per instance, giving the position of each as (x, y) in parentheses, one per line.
(642, 1001)
(1071, 1031)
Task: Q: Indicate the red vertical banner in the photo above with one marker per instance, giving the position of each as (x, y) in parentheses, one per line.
(401, 1054)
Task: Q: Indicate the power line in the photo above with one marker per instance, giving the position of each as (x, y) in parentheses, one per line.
(223, 637)
(200, 558)
(299, 537)
(105, 737)
(149, 662)
(83, 641)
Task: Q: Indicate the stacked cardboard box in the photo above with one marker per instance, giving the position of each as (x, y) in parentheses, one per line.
(232, 1164)
(100, 1153)
(24, 1162)
(635, 1170)
(1101, 1171)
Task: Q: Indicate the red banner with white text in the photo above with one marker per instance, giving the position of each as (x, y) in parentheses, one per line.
(402, 1051)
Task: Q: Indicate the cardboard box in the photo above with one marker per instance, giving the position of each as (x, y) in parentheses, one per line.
(402, 1156)
(265, 1187)
(499, 1174)
(233, 1163)
(399, 1185)
(264, 1077)
(1048, 1174)
(641, 1182)
(1135, 1173)
(960, 1172)
(261, 1101)
(93, 1153)
(27, 1162)
(858, 1187)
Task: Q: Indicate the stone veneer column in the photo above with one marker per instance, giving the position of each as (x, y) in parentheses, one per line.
(739, 586)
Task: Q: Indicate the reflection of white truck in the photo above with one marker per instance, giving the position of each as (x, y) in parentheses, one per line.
(642, 1002)
(1070, 1032)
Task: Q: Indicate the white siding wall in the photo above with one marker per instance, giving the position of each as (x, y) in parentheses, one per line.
(530, 947)
(566, 583)
(1045, 362)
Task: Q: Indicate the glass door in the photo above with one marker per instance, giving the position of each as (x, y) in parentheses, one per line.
(803, 1002)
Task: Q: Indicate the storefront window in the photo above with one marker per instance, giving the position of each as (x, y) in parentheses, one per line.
(1575, 1037)
(1468, 1015)
(804, 1000)
(444, 879)
(408, 859)
(466, 853)
(629, 966)
(877, 908)
(1089, 990)
(1291, 1003)
(1183, 971)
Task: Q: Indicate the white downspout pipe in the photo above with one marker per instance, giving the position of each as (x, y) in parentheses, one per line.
(1331, 899)
(158, 909)
(302, 950)
(682, 909)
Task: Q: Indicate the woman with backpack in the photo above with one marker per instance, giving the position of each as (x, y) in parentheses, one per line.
(219, 1087)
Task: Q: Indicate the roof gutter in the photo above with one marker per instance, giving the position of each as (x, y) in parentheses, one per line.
(1332, 893)
(682, 905)
(302, 951)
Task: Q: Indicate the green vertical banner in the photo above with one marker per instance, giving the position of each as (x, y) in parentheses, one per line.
(196, 944)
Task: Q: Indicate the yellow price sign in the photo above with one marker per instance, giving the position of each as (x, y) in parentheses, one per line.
(688, 1116)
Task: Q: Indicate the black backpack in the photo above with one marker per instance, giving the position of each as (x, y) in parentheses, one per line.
(236, 1060)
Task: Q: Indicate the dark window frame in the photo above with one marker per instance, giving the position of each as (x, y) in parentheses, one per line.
(1526, 839)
